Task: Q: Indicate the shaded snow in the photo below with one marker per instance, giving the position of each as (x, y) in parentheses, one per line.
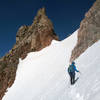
(43, 75)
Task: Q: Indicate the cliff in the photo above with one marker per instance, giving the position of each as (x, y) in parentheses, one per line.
(89, 31)
(28, 38)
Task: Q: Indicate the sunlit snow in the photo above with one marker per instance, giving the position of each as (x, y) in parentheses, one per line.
(43, 75)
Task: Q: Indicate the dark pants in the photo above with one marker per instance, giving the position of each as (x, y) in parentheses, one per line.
(72, 77)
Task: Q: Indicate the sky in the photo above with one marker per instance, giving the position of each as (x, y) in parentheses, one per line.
(65, 15)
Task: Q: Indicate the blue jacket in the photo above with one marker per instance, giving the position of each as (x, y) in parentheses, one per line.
(72, 68)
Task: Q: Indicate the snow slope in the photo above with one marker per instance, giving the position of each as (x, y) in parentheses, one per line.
(43, 75)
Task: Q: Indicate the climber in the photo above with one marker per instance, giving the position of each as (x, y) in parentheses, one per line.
(71, 71)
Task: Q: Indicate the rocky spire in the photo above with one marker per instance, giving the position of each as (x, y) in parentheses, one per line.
(39, 34)
(41, 11)
(89, 31)
(28, 38)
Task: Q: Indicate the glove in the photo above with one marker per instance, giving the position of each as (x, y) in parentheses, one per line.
(79, 72)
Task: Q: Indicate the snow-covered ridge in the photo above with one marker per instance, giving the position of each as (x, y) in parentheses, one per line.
(43, 75)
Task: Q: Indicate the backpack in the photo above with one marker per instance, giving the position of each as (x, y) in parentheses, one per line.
(70, 69)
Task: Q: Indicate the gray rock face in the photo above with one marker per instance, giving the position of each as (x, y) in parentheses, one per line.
(28, 38)
(89, 31)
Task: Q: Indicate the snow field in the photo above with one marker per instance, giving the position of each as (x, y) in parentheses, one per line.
(43, 75)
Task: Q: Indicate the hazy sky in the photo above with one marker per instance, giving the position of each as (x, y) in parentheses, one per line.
(66, 16)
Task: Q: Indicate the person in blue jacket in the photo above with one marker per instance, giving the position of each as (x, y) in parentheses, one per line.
(71, 71)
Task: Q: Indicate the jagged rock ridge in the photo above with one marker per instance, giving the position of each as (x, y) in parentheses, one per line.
(29, 38)
(38, 35)
(89, 31)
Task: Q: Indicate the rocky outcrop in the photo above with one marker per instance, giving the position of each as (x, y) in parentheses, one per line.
(89, 31)
(36, 36)
(29, 38)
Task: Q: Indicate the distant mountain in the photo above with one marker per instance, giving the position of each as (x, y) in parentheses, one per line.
(29, 38)
(89, 31)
